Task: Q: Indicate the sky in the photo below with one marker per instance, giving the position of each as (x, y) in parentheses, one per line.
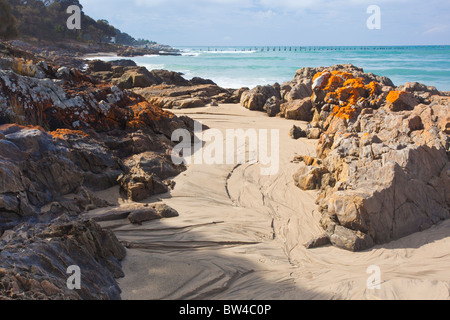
(277, 22)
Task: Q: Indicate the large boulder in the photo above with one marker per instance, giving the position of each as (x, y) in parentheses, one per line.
(298, 110)
(138, 185)
(299, 92)
(256, 98)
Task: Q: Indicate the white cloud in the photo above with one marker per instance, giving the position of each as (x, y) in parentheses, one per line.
(436, 29)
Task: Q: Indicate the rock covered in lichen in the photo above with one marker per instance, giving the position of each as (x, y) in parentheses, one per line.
(67, 98)
(384, 169)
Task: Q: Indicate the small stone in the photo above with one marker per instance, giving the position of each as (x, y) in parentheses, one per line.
(313, 133)
(165, 211)
(297, 133)
(318, 241)
(139, 216)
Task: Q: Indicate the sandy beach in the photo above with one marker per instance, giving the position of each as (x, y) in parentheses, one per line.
(240, 235)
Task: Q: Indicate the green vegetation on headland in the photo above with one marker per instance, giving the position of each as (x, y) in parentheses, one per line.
(46, 20)
(7, 22)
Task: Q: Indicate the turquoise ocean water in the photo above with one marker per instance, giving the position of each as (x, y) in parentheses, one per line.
(235, 67)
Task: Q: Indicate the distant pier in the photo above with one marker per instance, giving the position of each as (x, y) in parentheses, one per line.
(322, 48)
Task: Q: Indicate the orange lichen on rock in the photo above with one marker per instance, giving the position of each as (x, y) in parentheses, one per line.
(401, 100)
(343, 90)
(393, 96)
(373, 87)
(346, 112)
(143, 113)
(333, 83)
(62, 133)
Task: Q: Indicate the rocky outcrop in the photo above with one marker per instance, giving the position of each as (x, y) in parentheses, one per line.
(150, 50)
(295, 97)
(63, 136)
(382, 164)
(91, 127)
(57, 98)
(127, 75)
(35, 260)
(165, 89)
(176, 97)
(38, 170)
(140, 77)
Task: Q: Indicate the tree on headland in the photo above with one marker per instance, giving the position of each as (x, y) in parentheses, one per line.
(8, 28)
(46, 20)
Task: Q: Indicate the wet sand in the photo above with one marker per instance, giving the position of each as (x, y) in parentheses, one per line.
(240, 235)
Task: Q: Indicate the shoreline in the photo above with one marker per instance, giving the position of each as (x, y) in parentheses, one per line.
(90, 56)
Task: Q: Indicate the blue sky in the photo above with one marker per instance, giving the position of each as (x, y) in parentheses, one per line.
(276, 22)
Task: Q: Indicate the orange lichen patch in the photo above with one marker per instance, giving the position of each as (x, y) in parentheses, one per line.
(345, 91)
(373, 87)
(357, 83)
(393, 96)
(62, 133)
(345, 112)
(332, 80)
(319, 74)
(144, 113)
(333, 83)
